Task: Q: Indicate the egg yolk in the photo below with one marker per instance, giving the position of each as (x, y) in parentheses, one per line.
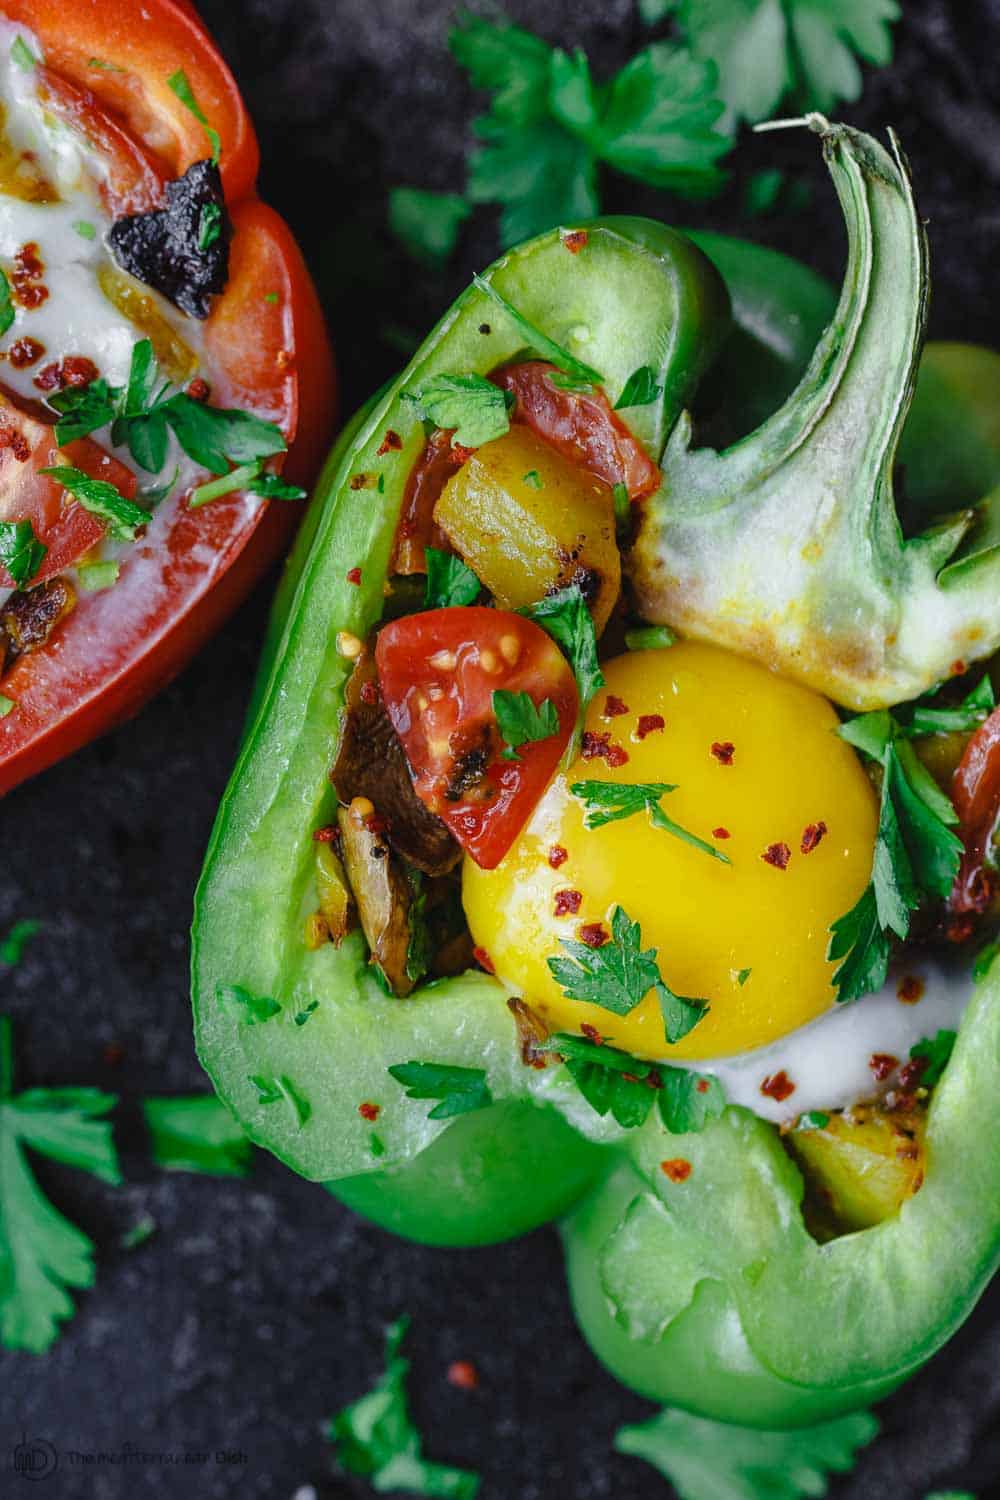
(761, 775)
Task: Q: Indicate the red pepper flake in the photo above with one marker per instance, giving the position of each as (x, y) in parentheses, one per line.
(483, 960)
(778, 1086)
(392, 440)
(199, 389)
(593, 934)
(575, 240)
(557, 856)
(284, 359)
(614, 707)
(369, 1111)
(568, 901)
(353, 575)
(599, 747)
(721, 833)
(75, 371)
(811, 835)
(911, 1072)
(649, 724)
(958, 668)
(882, 1064)
(592, 1034)
(463, 1374)
(702, 1086)
(910, 989)
(29, 268)
(723, 750)
(328, 834)
(369, 691)
(777, 855)
(677, 1169)
(16, 442)
(24, 352)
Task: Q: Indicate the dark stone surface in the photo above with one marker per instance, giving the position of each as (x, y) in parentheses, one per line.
(256, 1310)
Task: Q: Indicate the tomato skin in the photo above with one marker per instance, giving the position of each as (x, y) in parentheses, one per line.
(976, 795)
(438, 672)
(581, 425)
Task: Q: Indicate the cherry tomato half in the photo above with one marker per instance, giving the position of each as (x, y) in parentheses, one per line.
(976, 795)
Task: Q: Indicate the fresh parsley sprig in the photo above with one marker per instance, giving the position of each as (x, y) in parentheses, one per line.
(21, 553)
(449, 581)
(613, 1082)
(522, 723)
(196, 1133)
(610, 801)
(566, 618)
(7, 310)
(472, 405)
(460, 1090)
(124, 519)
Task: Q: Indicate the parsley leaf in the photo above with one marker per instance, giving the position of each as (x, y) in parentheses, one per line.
(97, 576)
(860, 940)
(681, 1013)
(807, 48)
(22, 54)
(540, 342)
(181, 86)
(521, 723)
(937, 1050)
(124, 518)
(426, 223)
(83, 409)
(640, 388)
(196, 1133)
(649, 638)
(253, 1009)
(706, 1460)
(689, 1100)
(609, 801)
(251, 477)
(568, 621)
(449, 581)
(281, 1090)
(13, 945)
(7, 705)
(549, 125)
(21, 553)
(613, 1082)
(209, 225)
(7, 313)
(460, 1090)
(617, 976)
(375, 1436)
(42, 1254)
(923, 717)
(475, 407)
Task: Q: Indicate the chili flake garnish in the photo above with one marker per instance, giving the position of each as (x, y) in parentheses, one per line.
(723, 750)
(911, 1072)
(568, 901)
(329, 834)
(811, 835)
(199, 389)
(910, 989)
(957, 668)
(24, 352)
(614, 707)
(75, 371)
(16, 442)
(483, 960)
(463, 1374)
(777, 1086)
(702, 1086)
(557, 856)
(777, 855)
(599, 747)
(575, 240)
(721, 833)
(353, 575)
(649, 724)
(392, 440)
(593, 934)
(677, 1169)
(882, 1064)
(369, 1111)
(592, 1034)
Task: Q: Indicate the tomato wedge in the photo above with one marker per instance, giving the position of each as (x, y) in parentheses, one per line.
(581, 425)
(438, 673)
(976, 795)
(266, 349)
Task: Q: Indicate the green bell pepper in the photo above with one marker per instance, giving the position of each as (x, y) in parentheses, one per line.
(707, 1294)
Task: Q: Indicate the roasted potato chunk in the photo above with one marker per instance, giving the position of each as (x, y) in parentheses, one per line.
(528, 522)
(860, 1170)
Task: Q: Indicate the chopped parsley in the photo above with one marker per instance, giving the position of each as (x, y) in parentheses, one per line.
(427, 224)
(42, 1254)
(472, 405)
(566, 618)
(7, 705)
(460, 1090)
(252, 1009)
(550, 125)
(640, 388)
(984, 961)
(937, 1050)
(21, 54)
(253, 478)
(613, 1082)
(609, 801)
(209, 225)
(85, 229)
(813, 1119)
(650, 638)
(449, 581)
(533, 479)
(196, 1133)
(923, 717)
(540, 342)
(7, 311)
(21, 553)
(95, 576)
(706, 1460)
(302, 1016)
(375, 1436)
(181, 86)
(281, 1090)
(20, 935)
(124, 519)
(142, 1230)
(521, 723)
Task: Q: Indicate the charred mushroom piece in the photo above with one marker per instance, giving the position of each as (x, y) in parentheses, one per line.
(371, 763)
(382, 892)
(181, 250)
(28, 618)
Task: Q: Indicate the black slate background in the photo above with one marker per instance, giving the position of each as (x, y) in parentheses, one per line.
(257, 1308)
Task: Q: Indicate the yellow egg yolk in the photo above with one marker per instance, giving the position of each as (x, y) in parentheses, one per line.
(760, 774)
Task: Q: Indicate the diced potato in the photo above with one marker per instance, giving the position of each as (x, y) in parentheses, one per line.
(859, 1171)
(335, 903)
(528, 522)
